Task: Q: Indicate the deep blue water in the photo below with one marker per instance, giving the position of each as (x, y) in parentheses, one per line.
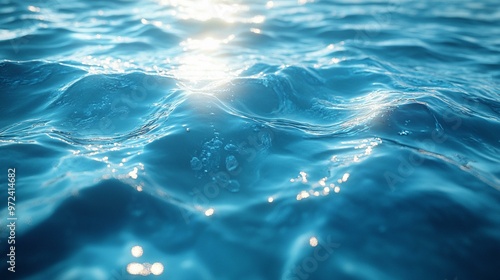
(251, 139)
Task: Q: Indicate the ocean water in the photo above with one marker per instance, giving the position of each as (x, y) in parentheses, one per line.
(250, 139)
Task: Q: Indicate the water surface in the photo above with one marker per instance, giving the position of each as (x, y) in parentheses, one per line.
(251, 139)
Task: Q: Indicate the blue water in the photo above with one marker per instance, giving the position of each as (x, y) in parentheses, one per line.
(251, 139)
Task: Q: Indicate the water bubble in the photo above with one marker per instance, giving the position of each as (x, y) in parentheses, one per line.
(231, 163)
(196, 163)
(265, 82)
(217, 143)
(222, 179)
(230, 148)
(233, 186)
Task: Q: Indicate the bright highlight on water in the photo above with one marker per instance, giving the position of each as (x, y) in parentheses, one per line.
(214, 139)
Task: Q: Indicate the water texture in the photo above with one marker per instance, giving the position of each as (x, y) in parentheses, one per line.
(251, 139)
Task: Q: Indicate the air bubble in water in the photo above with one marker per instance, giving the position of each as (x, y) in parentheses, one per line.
(196, 163)
(222, 179)
(230, 148)
(233, 186)
(231, 163)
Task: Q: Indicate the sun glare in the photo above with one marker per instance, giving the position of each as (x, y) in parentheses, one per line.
(204, 10)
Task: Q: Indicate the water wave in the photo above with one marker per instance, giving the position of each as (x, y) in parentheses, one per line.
(297, 139)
